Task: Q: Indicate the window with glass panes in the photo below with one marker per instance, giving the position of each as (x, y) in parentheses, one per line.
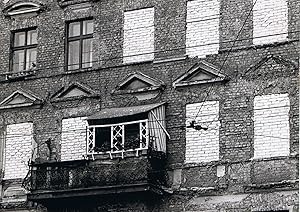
(80, 44)
(24, 50)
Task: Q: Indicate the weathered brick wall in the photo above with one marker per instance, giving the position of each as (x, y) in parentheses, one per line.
(73, 138)
(18, 150)
(271, 125)
(202, 29)
(138, 35)
(202, 145)
(270, 17)
(236, 97)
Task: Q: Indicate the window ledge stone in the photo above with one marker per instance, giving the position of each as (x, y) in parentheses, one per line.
(66, 3)
(20, 75)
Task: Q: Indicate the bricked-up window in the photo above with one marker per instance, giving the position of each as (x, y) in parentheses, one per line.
(24, 50)
(271, 126)
(270, 21)
(73, 137)
(202, 27)
(202, 145)
(80, 44)
(138, 35)
(19, 144)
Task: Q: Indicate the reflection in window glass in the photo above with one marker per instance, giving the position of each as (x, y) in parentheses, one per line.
(88, 27)
(19, 39)
(80, 45)
(24, 50)
(87, 53)
(74, 29)
(73, 56)
(18, 58)
(31, 58)
(32, 37)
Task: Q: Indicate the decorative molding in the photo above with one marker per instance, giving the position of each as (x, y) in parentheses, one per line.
(79, 90)
(277, 59)
(150, 84)
(29, 99)
(200, 73)
(19, 8)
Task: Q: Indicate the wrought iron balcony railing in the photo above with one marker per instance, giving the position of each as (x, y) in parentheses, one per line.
(87, 174)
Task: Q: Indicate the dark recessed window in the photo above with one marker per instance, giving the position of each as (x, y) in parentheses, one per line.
(80, 44)
(24, 50)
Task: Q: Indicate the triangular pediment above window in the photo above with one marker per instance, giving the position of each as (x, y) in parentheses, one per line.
(20, 98)
(74, 91)
(279, 65)
(22, 7)
(200, 73)
(138, 82)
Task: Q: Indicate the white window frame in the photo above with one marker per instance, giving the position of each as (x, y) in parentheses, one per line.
(91, 137)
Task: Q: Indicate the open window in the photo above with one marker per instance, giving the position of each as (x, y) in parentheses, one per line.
(127, 129)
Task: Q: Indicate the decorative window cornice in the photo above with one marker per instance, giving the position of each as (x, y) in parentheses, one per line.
(20, 98)
(74, 91)
(275, 60)
(137, 83)
(14, 8)
(200, 73)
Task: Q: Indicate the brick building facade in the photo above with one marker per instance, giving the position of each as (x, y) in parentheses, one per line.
(158, 105)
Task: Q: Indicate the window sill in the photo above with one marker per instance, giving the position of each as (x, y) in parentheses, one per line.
(79, 70)
(137, 62)
(20, 75)
(65, 3)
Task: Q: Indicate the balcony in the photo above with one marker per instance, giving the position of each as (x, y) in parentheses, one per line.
(125, 153)
(91, 178)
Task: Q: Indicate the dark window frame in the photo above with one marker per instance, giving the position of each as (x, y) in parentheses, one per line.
(81, 38)
(26, 47)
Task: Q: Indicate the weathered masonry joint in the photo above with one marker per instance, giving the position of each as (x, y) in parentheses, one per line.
(121, 105)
